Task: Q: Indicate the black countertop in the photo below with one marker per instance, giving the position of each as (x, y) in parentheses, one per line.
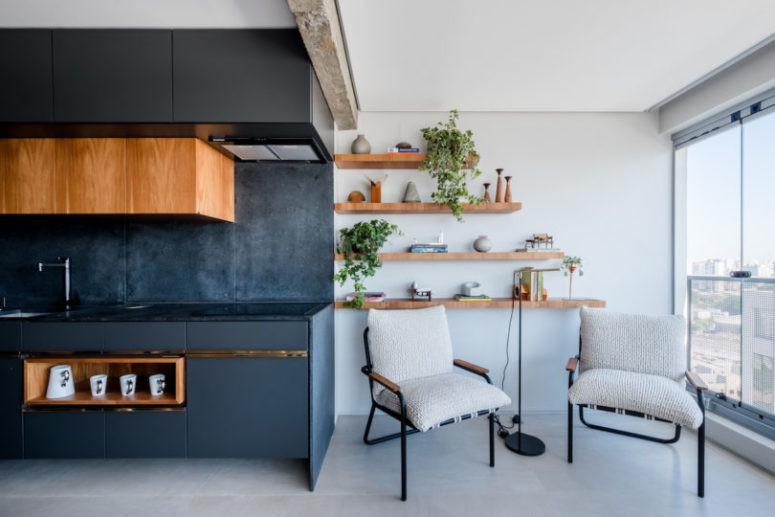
(254, 311)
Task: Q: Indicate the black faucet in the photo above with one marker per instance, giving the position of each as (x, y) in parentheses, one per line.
(64, 263)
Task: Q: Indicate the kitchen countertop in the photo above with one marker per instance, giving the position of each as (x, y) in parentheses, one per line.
(254, 311)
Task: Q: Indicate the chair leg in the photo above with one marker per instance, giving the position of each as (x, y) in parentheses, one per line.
(492, 439)
(368, 426)
(570, 432)
(403, 454)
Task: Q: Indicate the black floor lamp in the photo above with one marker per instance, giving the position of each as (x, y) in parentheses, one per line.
(519, 442)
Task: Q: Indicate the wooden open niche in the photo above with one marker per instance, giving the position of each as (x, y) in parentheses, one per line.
(36, 373)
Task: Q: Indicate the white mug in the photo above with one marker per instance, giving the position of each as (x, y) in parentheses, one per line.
(60, 382)
(128, 384)
(99, 384)
(157, 384)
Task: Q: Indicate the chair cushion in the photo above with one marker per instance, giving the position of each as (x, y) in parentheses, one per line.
(407, 344)
(649, 394)
(435, 399)
(633, 342)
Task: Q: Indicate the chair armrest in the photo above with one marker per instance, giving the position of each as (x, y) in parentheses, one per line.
(471, 367)
(390, 385)
(696, 381)
(573, 363)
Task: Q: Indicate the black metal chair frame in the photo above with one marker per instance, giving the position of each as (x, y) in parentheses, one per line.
(401, 417)
(674, 439)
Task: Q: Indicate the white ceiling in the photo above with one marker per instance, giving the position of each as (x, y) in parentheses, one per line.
(146, 13)
(560, 55)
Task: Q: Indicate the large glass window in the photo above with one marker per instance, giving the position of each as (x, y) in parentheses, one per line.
(729, 186)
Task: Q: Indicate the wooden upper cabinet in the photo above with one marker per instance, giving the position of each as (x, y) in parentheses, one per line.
(27, 176)
(91, 175)
(179, 176)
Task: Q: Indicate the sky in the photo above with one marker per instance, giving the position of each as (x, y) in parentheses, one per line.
(714, 187)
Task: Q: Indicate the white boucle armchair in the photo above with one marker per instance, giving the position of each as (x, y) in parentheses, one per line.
(635, 365)
(409, 364)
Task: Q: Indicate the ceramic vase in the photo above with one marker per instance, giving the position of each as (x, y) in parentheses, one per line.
(482, 244)
(411, 195)
(507, 197)
(360, 145)
(499, 187)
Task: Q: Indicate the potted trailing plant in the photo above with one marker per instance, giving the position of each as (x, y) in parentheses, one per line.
(569, 266)
(360, 246)
(451, 161)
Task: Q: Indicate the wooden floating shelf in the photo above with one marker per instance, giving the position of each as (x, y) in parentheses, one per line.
(496, 303)
(469, 255)
(36, 373)
(423, 208)
(392, 161)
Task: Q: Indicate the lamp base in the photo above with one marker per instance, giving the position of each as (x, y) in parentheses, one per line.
(525, 444)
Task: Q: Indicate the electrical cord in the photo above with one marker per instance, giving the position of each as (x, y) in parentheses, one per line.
(503, 430)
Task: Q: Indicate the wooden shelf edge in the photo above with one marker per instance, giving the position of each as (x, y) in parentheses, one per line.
(427, 208)
(382, 161)
(495, 303)
(467, 255)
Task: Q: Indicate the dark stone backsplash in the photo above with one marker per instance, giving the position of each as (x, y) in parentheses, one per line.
(279, 248)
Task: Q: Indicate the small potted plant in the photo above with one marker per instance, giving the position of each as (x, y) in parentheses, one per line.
(360, 246)
(569, 266)
(451, 161)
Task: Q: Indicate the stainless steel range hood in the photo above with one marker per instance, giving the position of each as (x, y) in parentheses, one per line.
(271, 149)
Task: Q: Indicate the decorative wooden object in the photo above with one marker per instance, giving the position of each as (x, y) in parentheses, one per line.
(36, 372)
(468, 255)
(499, 187)
(487, 193)
(27, 176)
(495, 303)
(507, 197)
(376, 192)
(380, 161)
(423, 208)
(91, 175)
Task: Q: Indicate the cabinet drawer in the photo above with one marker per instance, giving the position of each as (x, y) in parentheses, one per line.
(64, 434)
(10, 336)
(247, 335)
(145, 434)
(248, 408)
(145, 337)
(61, 337)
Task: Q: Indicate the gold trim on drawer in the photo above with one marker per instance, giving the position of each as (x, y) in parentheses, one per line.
(246, 353)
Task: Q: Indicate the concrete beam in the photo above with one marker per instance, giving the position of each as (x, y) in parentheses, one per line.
(318, 24)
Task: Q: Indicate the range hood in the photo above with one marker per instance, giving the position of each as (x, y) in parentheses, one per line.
(255, 149)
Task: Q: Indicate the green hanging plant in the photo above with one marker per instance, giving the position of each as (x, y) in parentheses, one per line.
(451, 161)
(360, 246)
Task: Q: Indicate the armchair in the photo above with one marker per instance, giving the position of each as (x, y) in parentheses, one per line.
(634, 365)
(409, 365)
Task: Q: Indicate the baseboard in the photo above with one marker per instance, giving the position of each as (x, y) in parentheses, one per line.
(752, 446)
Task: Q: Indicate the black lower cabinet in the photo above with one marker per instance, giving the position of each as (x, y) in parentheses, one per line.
(145, 434)
(64, 434)
(247, 407)
(11, 438)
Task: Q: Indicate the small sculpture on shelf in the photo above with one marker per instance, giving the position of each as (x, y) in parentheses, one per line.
(487, 193)
(499, 187)
(420, 292)
(376, 188)
(539, 241)
(356, 196)
(507, 197)
(360, 145)
(411, 195)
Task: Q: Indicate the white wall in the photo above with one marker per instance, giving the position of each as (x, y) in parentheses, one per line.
(601, 184)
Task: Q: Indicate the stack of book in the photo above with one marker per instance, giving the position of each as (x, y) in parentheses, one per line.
(428, 248)
(532, 283)
(368, 296)
(399, 150)
(473, 298)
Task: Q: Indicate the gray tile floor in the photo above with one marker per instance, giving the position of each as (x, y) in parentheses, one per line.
(448, 475)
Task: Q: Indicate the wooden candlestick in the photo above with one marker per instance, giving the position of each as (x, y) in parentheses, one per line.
(499, 187)
(486, 192)
(508, 190)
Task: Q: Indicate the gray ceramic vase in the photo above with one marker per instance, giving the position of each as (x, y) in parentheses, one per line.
(411, 195)
(482, 244)
(360, 145)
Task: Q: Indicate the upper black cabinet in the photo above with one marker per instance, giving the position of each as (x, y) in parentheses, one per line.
(112, 75)
(25, 75)
(241, 76)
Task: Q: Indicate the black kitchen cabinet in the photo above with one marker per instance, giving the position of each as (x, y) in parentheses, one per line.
(10, 336)
(241, 76)
(247, 335)
(145, 434)
(26, 93)
(11, 437)
(64, 434)
(103, 75)
(247, 407)
(145, 336)
(62, 337)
